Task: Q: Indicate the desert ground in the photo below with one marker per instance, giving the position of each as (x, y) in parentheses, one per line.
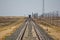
(51, 27)
(8, 24)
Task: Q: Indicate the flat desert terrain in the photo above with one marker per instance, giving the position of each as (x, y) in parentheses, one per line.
(8, 24)
(52, 30)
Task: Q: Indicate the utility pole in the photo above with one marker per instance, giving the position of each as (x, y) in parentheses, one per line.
(43, 9)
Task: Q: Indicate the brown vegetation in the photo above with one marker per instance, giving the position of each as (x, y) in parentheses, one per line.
(52, 30)
(9, 24)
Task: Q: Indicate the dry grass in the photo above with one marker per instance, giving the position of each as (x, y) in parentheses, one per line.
(50, 29)
(52, 21)
(7, 30)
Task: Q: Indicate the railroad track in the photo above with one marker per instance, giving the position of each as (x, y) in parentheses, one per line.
(31, 31)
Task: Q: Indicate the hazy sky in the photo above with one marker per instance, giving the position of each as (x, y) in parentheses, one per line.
(25, 7)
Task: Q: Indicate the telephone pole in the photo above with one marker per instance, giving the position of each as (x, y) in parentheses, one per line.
(43, 8)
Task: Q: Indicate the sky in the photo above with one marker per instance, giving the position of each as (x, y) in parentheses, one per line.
(26, 7)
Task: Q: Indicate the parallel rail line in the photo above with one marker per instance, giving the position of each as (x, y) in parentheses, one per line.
(31, 31)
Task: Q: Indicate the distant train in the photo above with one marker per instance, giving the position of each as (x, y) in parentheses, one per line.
(29, 16)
